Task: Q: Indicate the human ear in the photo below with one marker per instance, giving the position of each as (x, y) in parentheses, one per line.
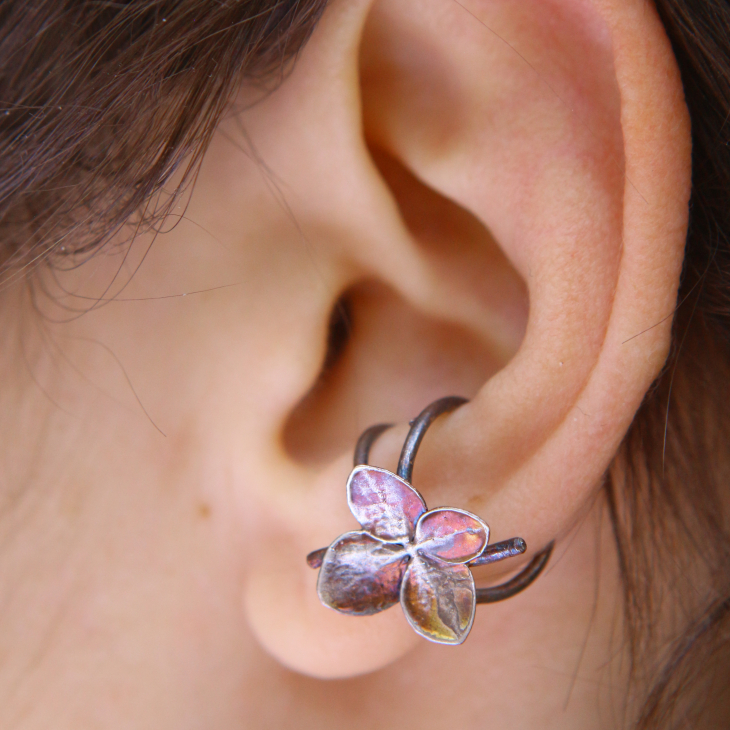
(456, 166)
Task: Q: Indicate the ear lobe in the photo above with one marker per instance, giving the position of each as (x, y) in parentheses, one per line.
(545, 123)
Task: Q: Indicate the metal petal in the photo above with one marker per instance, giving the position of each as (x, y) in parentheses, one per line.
(384, 504)
(439, 599)
(361, 575)
(453, 535)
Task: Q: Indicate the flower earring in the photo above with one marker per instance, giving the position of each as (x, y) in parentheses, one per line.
(408, 554)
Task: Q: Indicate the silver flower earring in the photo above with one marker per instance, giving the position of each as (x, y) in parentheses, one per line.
(406, 553)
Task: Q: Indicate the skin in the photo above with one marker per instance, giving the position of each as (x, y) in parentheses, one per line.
(500, 191)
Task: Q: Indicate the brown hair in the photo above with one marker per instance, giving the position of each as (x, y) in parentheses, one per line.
(668, 487)
(101, 102)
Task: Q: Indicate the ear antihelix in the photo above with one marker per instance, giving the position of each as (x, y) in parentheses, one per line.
(485, 290)
(544, 138)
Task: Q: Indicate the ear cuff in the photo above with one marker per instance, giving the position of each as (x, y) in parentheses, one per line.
(410, 555)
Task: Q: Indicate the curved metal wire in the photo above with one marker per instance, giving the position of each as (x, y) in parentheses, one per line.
(419, 425)
(366, 441)
(517, 584)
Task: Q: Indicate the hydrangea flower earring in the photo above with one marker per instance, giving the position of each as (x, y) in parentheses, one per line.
(408, 554)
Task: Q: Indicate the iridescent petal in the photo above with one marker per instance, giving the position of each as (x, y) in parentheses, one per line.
(384, 504)
(360, 574)
(439, 599)
(453, 535)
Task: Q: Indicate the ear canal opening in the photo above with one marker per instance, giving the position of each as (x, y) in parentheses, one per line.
(339, 330)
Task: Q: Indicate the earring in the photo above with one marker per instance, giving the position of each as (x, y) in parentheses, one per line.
(406, 553)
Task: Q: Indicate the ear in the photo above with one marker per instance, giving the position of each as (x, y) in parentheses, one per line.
(498, 191)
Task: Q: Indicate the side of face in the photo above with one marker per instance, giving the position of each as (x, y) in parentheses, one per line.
(483, 198)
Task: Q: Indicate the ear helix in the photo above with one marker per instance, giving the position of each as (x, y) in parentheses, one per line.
(408, 554)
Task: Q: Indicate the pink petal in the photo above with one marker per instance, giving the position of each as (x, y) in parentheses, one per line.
(452, 535)
(384, 504)
(360, 574)
(439, 600)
